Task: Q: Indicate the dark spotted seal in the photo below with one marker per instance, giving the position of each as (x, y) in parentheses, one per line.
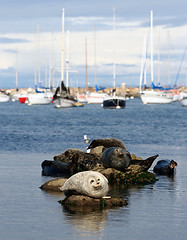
(165, 167)
(55, 169)
(116, 157)
(78, 160)
(106, 143)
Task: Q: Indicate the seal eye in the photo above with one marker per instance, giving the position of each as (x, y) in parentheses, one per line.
(92, 181)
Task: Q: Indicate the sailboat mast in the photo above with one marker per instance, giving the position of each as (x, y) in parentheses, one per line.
(67, 61)
(62, 51)
(86, 64)
(16, 69)
(38, 31)
(114, 64)
(152, 46)
(143, 66)
(95, 69)
(159, 59)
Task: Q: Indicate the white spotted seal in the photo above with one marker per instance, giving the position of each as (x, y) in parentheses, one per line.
(165, 167)
(90, 183)
(116, 157)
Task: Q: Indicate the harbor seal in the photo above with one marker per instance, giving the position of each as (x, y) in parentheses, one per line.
(55, 169)
(78, 160)
(144, 164)
(106, 143)
(165, 167)
(90, 183)
(116, 157)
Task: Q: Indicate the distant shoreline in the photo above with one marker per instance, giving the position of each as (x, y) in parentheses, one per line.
(123, 90)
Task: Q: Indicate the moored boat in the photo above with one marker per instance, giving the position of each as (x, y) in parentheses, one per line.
(95, 97)
(39, 99)
(156, 97)
(184, 101)
(4, 98)
(23, 98)
(114, 102)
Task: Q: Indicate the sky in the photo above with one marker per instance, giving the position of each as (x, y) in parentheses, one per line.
(31, 41)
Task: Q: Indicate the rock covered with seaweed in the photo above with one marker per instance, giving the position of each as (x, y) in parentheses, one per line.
(105, 157)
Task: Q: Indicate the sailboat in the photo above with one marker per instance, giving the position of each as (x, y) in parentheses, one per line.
(62, 97)
(114, 101)
(4, 97)
(158, 94)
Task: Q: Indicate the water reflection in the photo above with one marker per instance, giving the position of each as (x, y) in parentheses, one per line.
(166, 183)
(86, 221)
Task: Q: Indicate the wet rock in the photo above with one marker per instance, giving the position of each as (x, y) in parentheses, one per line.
(132, 177)
(98, 151)
(54, 185)
(82, 203)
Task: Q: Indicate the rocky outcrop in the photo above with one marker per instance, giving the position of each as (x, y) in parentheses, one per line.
(81, 202)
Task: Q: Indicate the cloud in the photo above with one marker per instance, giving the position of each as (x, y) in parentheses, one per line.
(5, 40)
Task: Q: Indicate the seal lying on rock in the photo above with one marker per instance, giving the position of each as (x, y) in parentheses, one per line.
(144, 164)
(165, 167)
(106, 143)
(78, 160)
(90, 183)
(55, 168)
(116, 157)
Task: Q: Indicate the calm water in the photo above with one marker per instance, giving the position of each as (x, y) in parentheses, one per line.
(31, 134)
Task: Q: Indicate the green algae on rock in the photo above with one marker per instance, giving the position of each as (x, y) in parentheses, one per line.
(129, 177)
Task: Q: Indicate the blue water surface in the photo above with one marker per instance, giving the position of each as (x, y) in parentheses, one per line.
(31, 134)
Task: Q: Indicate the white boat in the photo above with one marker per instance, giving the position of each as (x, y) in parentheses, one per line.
(157, 95)
(183, 98)
(95, 97)
(39, 99)
(81, 97)
(184, 101)
(62, 97)
(64, 103)
(4, 98)
(114, 101)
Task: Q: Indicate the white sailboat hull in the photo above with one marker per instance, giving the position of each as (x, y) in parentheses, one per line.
(63, 102)
(95, 97)
(156, 97)
(184, 101)
(4, 98)
(39, 99)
